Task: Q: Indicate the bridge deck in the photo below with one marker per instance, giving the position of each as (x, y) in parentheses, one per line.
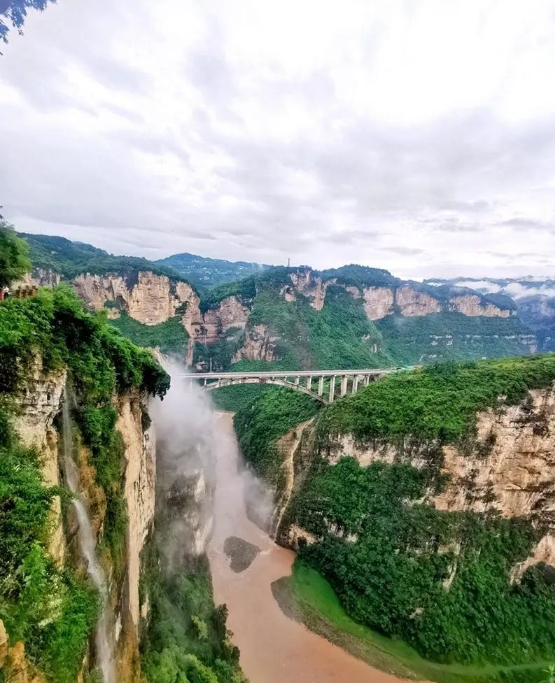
(284, 373)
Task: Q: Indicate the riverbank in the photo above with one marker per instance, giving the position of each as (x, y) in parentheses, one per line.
(307, 597)
(274, 648)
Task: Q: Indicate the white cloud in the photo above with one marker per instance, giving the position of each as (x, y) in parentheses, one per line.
(412, 135)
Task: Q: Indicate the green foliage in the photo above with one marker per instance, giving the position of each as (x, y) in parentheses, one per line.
(245, 290)
(14, 260)
(73, 258)
(46, 607)
(438, 402)
(49, 609)
(361, 276)
(233, 399)
(169, 336)
(452, 336)
(15, 11)
(260, 424)
(187, 637)
(206, 273)
(320, 609)
(338, 336)
(387, 556)
(55, 326)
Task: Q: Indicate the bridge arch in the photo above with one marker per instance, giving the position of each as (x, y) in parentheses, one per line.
(303, 381)
(276, 381)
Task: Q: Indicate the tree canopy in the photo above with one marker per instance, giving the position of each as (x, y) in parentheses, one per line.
(14, 259)
(15, 12)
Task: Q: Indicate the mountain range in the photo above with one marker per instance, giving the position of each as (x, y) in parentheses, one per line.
(224, 314)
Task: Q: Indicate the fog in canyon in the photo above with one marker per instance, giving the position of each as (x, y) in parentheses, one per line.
(198, 455)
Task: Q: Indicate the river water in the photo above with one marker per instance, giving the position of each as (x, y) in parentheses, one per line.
(274, 648)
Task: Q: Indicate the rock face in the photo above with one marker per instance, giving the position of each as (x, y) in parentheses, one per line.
(515, 476)
(307, 283)
(411, 302)
(472, 304)
(210, 327)
(378, 301)
(40, 401)
(258, 345)
(151, 300)
(140, 480)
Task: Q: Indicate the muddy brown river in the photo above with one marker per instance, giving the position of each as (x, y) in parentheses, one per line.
(274, 648)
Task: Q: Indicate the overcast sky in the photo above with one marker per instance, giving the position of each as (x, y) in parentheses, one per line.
(414, 135)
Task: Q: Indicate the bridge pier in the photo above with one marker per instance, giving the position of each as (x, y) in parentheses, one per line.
(344, 381)
(299, 380)
(332, 388)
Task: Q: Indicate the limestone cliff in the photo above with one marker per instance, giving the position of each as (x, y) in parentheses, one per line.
(509, 467)
(409, 301)
(259, 344)
(151, 300)
(311, 285)
(39, 404)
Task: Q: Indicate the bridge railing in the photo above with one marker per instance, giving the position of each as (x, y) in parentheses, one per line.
(320, 384)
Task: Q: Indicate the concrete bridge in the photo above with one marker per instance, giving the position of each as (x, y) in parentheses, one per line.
(322, 385)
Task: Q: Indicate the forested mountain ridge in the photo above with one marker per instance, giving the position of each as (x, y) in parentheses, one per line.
(425, 500)
(534, 298)
(206, 273)
(294, 318)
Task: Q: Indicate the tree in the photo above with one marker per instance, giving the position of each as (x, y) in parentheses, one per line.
(15, 12)
(14, 259)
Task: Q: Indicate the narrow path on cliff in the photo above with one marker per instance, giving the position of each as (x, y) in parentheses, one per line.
(273, 647)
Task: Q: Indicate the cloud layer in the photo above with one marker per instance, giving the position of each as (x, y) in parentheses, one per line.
(413, 135)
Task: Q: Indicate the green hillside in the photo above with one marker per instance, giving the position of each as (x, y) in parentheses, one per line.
(205, 272)
(388, 554)
(70, 259)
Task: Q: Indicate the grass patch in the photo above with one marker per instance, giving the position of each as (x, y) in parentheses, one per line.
(308, 597)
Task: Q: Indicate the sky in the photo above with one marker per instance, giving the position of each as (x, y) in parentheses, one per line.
(412, 135)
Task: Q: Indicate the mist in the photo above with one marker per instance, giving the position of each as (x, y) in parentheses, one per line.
(191, 436)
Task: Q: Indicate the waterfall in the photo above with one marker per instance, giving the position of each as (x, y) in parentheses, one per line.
(87, 546)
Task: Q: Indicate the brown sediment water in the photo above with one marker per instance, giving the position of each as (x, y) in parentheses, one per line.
(274, 648)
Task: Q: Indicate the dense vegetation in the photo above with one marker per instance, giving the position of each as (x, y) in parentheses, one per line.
(14, 260)
(438, 402)
(73, 258)
(439, 580)
(206, 273)
(338, 336)
(389, 557)
(51, 609)
(187, 637)
(261, 423)
(452, 336)
(169, 336)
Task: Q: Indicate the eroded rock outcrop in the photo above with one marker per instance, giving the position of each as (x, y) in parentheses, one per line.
(210, 327)
(151, 299)
(40, 402)
(412, 302)
(378, 301)
(259, 344)
(472, 304)
(511, 469)
(307, 283)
